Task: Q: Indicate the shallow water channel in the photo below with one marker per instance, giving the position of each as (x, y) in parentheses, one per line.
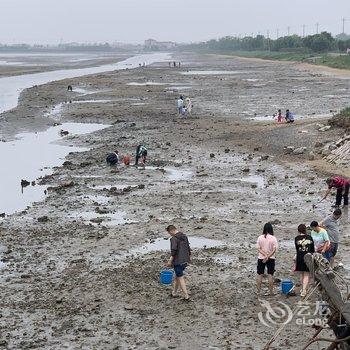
(31, 156)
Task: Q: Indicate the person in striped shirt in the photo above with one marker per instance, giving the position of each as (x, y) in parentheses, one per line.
(342, 185)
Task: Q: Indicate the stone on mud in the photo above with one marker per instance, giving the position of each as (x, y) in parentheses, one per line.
(299, 150)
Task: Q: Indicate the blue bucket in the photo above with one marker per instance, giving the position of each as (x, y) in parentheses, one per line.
(166, 276)
(287, 286)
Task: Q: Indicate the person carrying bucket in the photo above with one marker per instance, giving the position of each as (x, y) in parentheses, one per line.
(180, 256)
(267, 245)
(303, 244)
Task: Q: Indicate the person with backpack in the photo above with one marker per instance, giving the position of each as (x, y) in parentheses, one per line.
(267, 246)
(141, 153)
(180, 256)
(113, 158)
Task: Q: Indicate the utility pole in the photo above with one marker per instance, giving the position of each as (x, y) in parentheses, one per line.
(288, 30)
(317, 25)
(343, 20)
(304, 30)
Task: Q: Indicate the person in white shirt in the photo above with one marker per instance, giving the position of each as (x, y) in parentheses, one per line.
(180, 104)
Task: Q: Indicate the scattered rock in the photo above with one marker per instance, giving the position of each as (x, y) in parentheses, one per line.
(311, 156)
(25, 183)
(43, 219)
(289, 149)
(324, 128)
(299, 150)
(99, 210)
(212, 155)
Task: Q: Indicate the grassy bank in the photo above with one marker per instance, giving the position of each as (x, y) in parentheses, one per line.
(333, 60)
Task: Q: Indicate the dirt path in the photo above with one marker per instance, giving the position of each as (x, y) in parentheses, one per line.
(69, 283)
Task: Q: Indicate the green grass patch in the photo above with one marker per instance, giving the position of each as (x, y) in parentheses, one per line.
(334, 60)
(338, 61)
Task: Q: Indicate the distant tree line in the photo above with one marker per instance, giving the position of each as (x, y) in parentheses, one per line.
(319, 43)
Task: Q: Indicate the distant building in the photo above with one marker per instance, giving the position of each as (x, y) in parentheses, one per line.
(152, 44)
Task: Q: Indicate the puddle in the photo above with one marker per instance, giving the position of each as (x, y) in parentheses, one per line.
(108, 220)
(148, 83)
(164, 244)
(12, 63)
(179, 88)
(215, 72)
(254, 179)
(266, 118)
(11, 87)
(91, 101)
(30, 156)
(173, 174)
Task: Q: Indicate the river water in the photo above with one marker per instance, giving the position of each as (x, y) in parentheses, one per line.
(33, 155)
(11, 87)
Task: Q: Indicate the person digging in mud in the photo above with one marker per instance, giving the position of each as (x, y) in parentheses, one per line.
(289, 117)
(331, 225)
(70, 88)
(267, 245)
(180, 256)
(303, 244)
(342, 185)
(141, 153)
(279, 116)
(113, 158)
(320, 238)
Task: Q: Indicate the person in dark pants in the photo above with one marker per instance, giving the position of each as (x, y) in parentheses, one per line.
(331, 225)
(113, 158)
(342, 185)
(303, 244)
(141, 153)
(266, 245)
(180, 256)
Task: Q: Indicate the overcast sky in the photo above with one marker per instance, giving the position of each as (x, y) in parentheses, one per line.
(50, 21)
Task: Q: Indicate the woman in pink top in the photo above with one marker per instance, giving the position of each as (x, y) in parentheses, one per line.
(267, 246)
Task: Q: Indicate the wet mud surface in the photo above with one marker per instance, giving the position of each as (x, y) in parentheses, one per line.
(81, 268)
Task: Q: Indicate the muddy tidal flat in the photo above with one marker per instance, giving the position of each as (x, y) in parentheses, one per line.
(82, 244)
